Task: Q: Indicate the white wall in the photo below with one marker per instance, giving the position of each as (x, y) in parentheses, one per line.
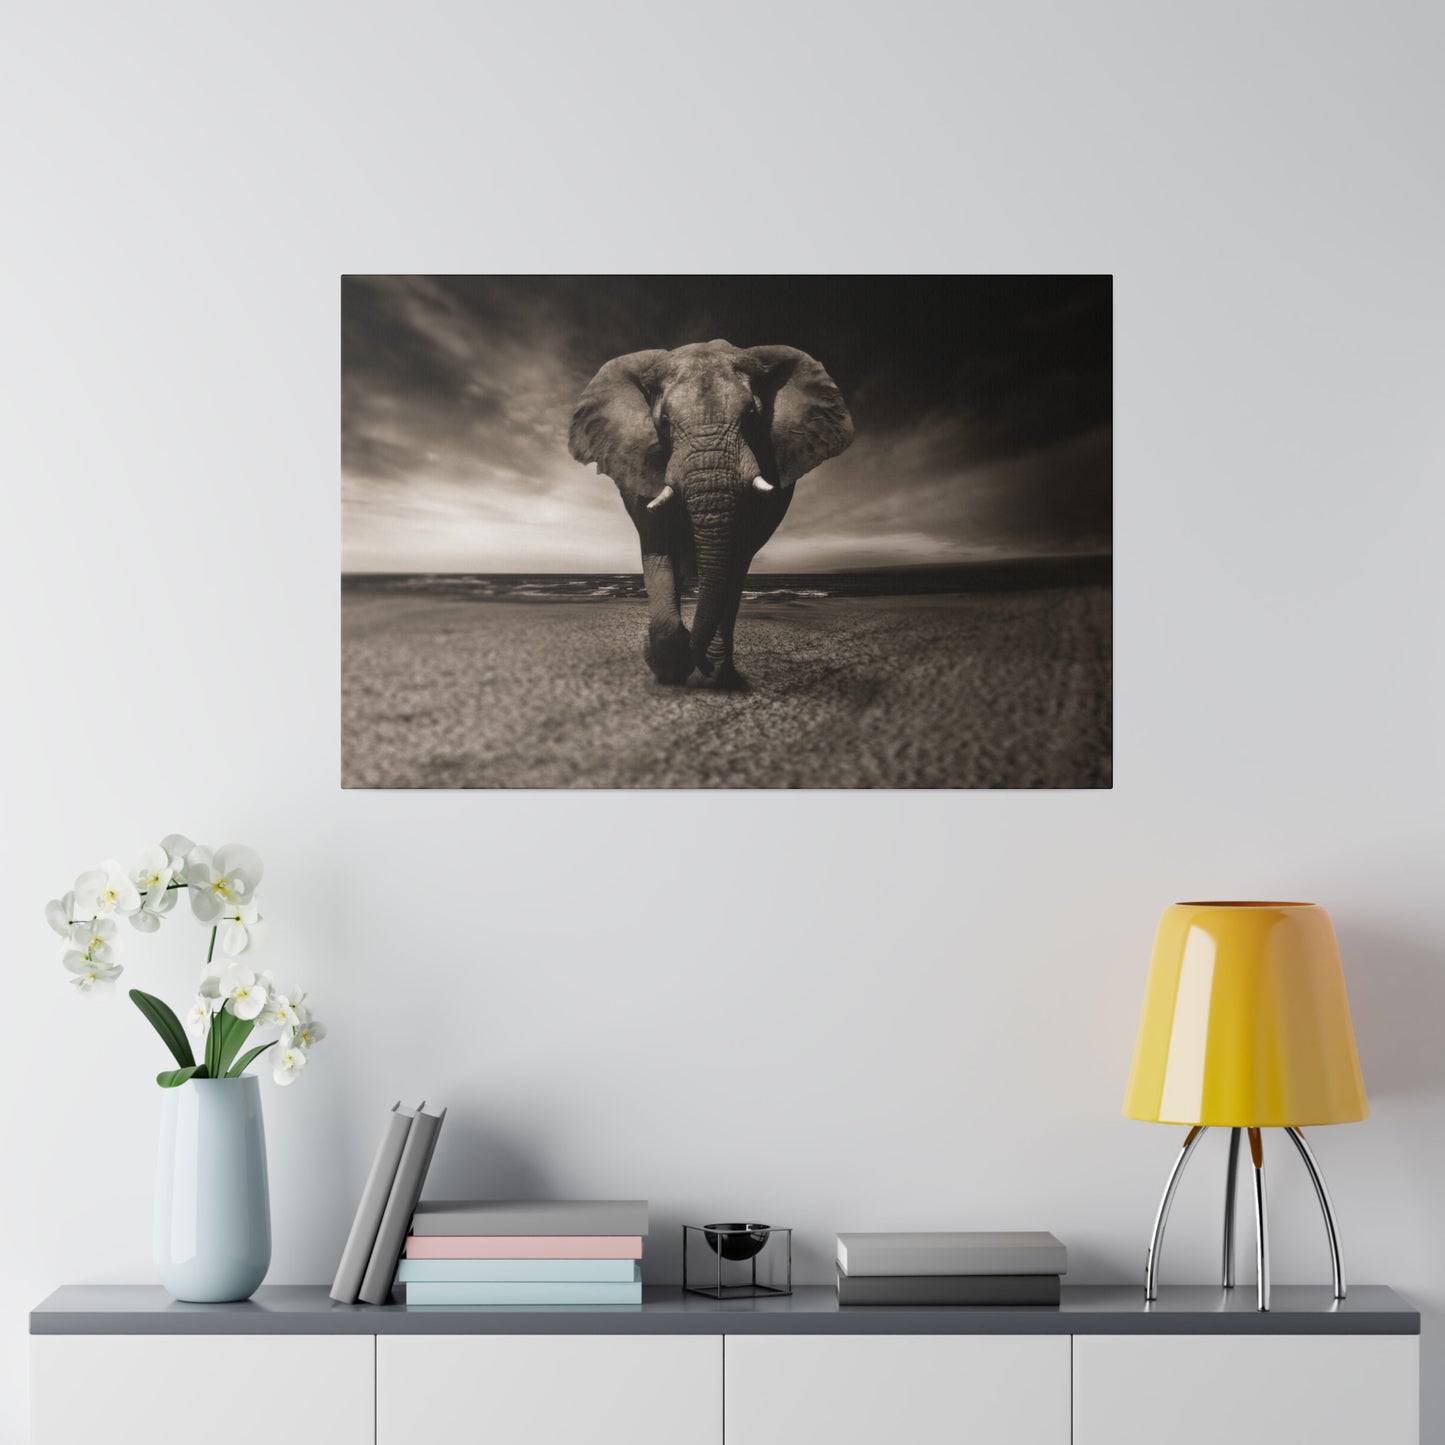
(947, 985)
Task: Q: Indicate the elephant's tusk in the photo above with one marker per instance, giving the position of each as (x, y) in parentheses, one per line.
(665, 495)
(759, 485)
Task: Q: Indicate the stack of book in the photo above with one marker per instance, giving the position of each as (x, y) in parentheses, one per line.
(388, 1201)
(490, 1252)
(961, 1268)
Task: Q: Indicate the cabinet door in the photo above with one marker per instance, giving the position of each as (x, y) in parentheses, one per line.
(1246, 1389)
(898, 1389)
(219, 1389)
(549, 1390)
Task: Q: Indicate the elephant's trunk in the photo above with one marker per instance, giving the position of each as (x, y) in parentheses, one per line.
(711, 482)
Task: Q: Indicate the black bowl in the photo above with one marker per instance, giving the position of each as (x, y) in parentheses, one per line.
(736, 1241)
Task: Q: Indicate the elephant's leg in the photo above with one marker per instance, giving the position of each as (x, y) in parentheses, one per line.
(668, 649)
(720, 650)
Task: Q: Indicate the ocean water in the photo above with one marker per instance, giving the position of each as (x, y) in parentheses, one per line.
(995, 576)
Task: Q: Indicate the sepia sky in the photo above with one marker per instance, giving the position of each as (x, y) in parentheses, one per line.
(981, 407)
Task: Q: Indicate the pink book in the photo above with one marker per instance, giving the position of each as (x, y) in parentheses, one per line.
(524, 1246)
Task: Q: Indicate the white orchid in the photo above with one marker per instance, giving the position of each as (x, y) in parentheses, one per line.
(93, 956)
(244, 993)
(286, 1063)
(157, 904)
(308, 1034)
(198, 1019)
(221, 886)
(89, 972)
(153, 876)
(279, 1010)
(215, 882)
(243, 930)
(59, 912)
(105, 889)
(178, 848)
(153, 871)
(95, 939)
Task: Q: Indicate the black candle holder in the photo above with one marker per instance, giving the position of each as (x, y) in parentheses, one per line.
(737, 1261)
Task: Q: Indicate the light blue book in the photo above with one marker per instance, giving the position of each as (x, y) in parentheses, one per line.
(519, 1271)
(557, 1292)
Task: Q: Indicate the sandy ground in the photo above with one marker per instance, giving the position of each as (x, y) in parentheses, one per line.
(984, 690)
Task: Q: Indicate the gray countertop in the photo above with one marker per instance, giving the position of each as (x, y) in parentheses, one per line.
(1086, 1310)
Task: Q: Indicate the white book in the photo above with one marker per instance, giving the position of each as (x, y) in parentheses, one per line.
(357, 1253)
(952, 1252)
(406, 1189)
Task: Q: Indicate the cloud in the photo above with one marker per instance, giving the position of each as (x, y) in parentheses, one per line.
(1055, 499)
(981, 410)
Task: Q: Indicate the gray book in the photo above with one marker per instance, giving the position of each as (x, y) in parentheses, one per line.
(539, 1217)
(948, 1289)
(956, 1252)
(421, 1140)
(356, 1254)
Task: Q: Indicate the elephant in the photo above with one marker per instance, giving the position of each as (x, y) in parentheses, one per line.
(705, 443)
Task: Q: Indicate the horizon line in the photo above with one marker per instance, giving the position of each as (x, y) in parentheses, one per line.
(1022, 557)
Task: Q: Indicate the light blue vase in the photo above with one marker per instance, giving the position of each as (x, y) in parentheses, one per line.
(213, 1210)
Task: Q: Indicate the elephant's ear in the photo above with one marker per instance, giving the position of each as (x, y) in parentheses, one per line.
(613, 427)
(810, 420)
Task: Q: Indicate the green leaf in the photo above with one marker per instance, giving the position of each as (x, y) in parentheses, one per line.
(213, 1043)
(249, 1058)
(172, 1078)
(234, 1033)
(166, 1024)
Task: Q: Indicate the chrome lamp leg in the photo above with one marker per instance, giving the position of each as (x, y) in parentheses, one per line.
(1230, 1180)
(1332, 1230)
(1156, 1239)
(1261, 1212)
(1261, 1219)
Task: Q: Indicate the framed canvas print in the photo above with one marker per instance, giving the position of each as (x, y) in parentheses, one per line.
(726, 531)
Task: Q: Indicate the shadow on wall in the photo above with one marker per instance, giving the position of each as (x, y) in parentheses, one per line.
(477, 1160)
(662, 1252)
(1397, 998)
(1089, 1264)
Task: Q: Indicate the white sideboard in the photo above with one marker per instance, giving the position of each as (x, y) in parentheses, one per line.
(124, 1364)
(220, 1389)
(1205, 1389)
(607, 1389)
(922, 1389)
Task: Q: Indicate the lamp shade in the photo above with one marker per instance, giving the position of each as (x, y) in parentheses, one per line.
(1246, 1023)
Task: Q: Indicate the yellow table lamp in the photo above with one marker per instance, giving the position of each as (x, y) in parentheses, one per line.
(1246, 1026)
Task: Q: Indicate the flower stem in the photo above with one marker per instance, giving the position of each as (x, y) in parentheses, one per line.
(210, 952)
